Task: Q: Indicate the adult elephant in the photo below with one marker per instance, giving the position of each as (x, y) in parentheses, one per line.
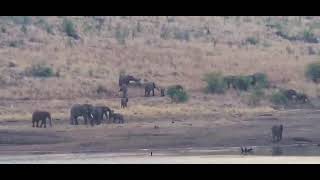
(149, 87)
(84, 110)
(99, 112)
(125, 79)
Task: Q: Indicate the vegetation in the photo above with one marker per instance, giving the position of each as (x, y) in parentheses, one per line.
(313, 72)
(69, 28)
(215, 83)
(40, 70)
(177, 95)
(279, 98)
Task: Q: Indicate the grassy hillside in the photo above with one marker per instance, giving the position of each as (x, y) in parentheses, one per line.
(83, 54)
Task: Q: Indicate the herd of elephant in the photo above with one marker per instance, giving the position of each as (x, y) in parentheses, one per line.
(95, 115)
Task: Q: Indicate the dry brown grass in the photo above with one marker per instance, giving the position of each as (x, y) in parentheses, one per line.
(98, 59)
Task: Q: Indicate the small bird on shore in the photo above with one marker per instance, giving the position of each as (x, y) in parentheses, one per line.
(246, 150)
(151, 153)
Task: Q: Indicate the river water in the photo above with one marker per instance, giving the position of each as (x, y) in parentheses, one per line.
(294, 154)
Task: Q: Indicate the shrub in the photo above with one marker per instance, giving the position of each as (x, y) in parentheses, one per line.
(313, 72)
(256, 97)
(177, 95)
(122, 34)
(40, 70)
(182, 35)
(16, 43)
(252, 40)
(101, 89)
(24, 29)
(215, 83)
(45, 25)
(261, 80)
(69, 28)
(309, 36)
(24, 20)
(279, 98)
(242, 83)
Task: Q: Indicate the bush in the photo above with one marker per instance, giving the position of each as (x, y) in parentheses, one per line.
(16, 43)
(261, 80)
(279, 98)
(252, 40)
(24, 20)
(177, 95)
(40, 70)
(122, 34)
(182, 35)
(69, 28)
(215, 83)
(309, 36)
(45, 25)
(24, 29)
(256, 97)
(242, 83)
(313, 72)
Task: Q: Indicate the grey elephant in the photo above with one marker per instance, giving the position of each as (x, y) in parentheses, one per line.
(149, 87)
(302, 98)
(42, 116)
(162, 92)
(99, 112)
(126, 79)
(277, 133)
(124, 102)
(84, 110)
(116, 117)
(290, 94)
(124, 90)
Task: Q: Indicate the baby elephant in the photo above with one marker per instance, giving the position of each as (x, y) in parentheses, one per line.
(277, 133)
(124, 102)
(117, 117)
(41, 116)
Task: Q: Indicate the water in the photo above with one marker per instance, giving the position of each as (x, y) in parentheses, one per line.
(290, 154)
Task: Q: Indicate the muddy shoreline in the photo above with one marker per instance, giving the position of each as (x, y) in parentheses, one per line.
(301, 127)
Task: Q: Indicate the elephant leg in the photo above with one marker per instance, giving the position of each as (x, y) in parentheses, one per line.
(37, 124)
(85, 120)
(45, 123)
(32, 123)
(152, 92)
(76, 121)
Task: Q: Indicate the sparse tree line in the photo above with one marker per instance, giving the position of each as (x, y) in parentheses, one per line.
(164, 28)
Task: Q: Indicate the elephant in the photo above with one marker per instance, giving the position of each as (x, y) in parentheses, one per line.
(99, 112)
(277, 133)
(302, 98)
(124, 90)
(162, 91)
(84, 110)
(124, 102)
(290, 94)
(148, 88)
(125, 79)
(41, 116)
(116, 117)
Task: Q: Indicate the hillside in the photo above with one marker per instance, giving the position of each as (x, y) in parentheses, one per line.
(51, 63)
(167, 50)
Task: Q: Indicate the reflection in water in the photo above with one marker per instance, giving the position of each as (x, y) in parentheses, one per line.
(277, 151)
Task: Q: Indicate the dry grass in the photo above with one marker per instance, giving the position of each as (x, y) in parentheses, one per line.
(98, 58)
